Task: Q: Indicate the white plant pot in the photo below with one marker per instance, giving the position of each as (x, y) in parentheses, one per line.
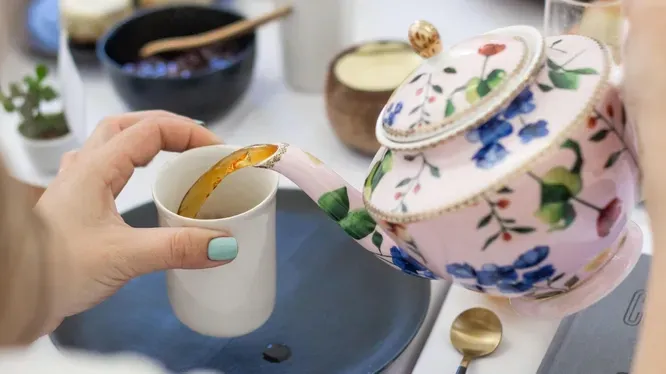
(45, 154)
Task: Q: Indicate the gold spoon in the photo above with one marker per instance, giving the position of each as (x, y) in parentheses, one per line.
(209, 37)
(475, 333)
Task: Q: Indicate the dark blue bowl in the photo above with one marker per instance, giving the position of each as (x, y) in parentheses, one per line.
(206, 93)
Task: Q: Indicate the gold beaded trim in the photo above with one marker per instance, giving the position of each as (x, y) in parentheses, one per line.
(275, 158)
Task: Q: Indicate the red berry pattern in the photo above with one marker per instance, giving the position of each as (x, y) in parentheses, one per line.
(507, 226)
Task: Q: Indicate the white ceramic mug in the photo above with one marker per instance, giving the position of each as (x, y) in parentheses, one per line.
(237, 298)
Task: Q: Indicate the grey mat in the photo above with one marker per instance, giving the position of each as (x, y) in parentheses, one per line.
(338, 308)
(602, 338)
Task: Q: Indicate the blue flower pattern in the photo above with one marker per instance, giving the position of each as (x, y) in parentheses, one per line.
(531, 131)
(409, 265)
(391, 112)
(522, 104)
(489, 134)
(519, 277)
(491, 274)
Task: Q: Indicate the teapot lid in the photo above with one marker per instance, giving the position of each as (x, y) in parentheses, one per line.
(459, 88)
(526, 114)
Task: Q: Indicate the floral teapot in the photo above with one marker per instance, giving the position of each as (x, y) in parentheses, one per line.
(508, 166)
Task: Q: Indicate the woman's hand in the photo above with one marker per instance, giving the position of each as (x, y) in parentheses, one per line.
(94, 251)
(643, 59)
(644, 94)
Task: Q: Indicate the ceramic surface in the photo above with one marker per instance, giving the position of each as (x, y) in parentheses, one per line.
(45, 154)
(435, 97)
(483, 156)
(205, 95)
(531, 199)
(237, 298)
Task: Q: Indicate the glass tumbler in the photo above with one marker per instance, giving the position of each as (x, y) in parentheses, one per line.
(598, 19)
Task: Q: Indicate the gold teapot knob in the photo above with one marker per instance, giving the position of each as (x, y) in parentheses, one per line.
(424, 38)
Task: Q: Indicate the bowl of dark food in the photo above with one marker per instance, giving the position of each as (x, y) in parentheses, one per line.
(202, 83)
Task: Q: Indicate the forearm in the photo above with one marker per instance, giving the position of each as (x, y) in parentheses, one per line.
(33, 192)
(24, 273)
(649, 357)
(646, 86)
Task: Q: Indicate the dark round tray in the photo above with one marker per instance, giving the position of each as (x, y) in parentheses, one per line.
(338, 309)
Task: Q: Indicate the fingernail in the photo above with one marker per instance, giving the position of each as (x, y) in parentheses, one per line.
(222, 249)
(200, 123)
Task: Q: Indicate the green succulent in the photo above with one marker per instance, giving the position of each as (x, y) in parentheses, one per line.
(25, 99)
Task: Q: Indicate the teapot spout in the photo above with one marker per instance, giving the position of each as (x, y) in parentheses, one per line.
(342, 203)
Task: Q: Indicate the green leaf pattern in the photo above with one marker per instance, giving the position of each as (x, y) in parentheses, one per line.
(377, 172)
(560, 189)
(378, 240)
(412, 185)
(475, 89)
(429, 93)
(506, 227)
(561, 76)
(335, 203)
(357, 223)
(608, 121)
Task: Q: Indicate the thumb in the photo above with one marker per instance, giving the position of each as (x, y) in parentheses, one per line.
(67, 159)
(155, 249)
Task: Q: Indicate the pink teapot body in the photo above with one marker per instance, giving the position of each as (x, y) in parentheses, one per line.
(508, 166)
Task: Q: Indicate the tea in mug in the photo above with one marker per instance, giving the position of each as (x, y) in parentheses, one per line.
(201, 189)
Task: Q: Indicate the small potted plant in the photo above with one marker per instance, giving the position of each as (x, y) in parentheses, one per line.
(42, 125)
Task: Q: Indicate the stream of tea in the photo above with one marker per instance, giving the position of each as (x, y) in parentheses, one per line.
(245, 157)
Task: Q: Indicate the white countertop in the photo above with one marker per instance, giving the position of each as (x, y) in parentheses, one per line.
(271, 113)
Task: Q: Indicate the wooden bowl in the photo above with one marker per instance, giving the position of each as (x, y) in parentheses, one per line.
(360, 81)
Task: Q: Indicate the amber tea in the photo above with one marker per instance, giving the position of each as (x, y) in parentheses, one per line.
(197, 194)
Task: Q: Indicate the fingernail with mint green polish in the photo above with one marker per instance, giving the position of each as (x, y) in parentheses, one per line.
(200, 123)
(222, 249)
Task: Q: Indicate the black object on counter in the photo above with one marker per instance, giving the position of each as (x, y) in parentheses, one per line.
(601, 339)
(338, 309)
(203, 83)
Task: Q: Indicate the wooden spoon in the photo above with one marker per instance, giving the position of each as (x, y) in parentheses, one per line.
(209, 37)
